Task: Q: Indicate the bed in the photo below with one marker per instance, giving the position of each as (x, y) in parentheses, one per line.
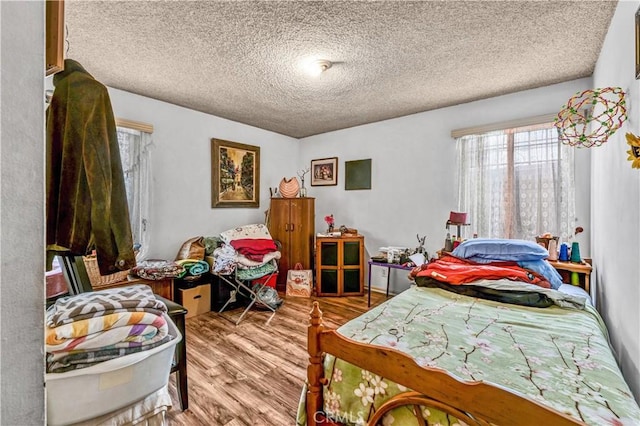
(435, 355)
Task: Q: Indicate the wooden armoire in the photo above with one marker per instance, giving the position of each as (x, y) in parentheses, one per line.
(292, 222)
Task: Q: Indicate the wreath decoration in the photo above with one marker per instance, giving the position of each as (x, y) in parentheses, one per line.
(634, 152)
(603, 107)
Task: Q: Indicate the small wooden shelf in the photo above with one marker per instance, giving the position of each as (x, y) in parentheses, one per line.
(162, 287)
(340, 266)
(566, 268)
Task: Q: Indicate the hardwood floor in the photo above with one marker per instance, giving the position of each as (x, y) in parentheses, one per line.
(252, 374)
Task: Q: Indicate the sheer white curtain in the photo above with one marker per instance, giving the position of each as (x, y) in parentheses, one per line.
(517, 183)
(135, 152)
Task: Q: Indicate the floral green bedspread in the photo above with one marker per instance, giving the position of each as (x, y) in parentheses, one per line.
(557, 356)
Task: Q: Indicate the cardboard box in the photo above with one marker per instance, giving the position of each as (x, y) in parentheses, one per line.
(80, 395)
(196, 300)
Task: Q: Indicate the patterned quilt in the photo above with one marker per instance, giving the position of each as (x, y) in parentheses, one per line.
(137, 297)
(557, 356)
(119, 330)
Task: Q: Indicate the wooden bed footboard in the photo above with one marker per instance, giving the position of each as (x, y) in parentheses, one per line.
(475, 403)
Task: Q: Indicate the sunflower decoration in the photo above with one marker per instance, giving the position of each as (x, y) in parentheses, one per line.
(634, 152)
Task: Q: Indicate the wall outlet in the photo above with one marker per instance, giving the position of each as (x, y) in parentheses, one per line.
(384, 272)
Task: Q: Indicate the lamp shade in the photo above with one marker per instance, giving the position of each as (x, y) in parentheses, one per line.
(455, 217)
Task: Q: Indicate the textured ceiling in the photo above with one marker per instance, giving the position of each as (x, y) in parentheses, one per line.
(243, 60)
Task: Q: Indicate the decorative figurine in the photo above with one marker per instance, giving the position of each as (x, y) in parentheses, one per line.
(420, 248)
(303, 190)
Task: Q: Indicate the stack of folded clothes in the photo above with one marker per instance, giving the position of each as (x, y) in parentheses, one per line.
(158, 269)
(504, 270)
(248, 250)
(89, 328)
(527, 255)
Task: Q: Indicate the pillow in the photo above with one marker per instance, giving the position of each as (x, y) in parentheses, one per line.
(542, 267)
(500, 249)
(193, 248)
(253, 231)
(478, 259)
(575, 290)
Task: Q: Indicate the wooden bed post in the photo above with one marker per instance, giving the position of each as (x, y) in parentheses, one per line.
(314, 369)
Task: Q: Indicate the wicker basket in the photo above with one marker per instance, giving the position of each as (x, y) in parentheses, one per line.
(544, 241)
(97, 280)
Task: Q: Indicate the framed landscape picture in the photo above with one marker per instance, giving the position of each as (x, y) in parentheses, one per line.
(235, 174)
(324, 172)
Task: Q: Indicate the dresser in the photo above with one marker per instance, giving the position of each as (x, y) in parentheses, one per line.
(340, 266)
(291, 221)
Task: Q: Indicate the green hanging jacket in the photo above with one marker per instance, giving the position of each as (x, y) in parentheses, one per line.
(86, 197)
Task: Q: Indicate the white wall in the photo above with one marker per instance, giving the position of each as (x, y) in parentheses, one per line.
(22, 213)
(616, 202)
(181, 168)
(414, 171)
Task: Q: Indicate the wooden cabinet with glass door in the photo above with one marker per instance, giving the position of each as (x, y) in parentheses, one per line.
(340, 266)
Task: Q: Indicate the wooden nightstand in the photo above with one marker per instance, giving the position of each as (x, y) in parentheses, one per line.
(566, 268)
(163, 287)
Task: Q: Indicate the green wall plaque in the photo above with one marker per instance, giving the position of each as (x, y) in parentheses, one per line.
(357, 174)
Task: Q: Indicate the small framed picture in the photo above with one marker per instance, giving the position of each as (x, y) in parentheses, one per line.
(324, 172)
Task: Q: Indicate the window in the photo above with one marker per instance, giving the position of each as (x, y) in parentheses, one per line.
(135, 148)
(517, 182)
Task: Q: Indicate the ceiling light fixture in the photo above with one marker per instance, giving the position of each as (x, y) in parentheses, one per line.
(318, 66)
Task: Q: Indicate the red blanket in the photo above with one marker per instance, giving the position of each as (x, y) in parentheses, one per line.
(254, 249)
(452, 270)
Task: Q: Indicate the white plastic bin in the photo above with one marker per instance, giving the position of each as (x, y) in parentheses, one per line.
(86, 393)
